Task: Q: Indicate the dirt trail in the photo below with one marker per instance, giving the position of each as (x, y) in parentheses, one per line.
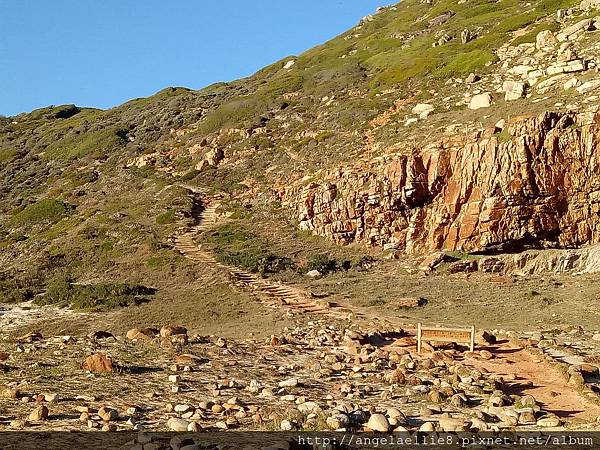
(536, 377)
(270, 293)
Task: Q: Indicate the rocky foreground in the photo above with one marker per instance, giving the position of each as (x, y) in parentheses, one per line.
(321, 376)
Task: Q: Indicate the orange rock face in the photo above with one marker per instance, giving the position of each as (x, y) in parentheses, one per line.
(539, 187)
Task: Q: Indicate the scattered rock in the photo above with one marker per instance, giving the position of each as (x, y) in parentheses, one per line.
(39, 413)
(423, 110)
(176, 424)
(480, 101)
(472, 78)
(172, 330)
(588, 86)
(142, 334)
(98, 362)
(107, 414)
(291, 382)
(546, 40)
(378, 422)
(513, 90)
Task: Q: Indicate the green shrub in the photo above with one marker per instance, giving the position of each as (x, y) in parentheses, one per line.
(166, 218)
(93, 297)
(324, 264)
(236, 246)
(465, 63)
(47, 210)
(93, 143)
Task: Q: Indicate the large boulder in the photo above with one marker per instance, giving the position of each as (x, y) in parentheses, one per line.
(513, 90)
(481, 101)
(378, 422)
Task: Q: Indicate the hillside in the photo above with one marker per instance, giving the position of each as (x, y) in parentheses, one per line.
(438, 162)
(287, 132)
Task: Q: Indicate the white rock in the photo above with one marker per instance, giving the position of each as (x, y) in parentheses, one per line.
(291, 382)
(586, 5)
(577, 65)
(313, 274)
(193, 427)
(545, 39)
(567, 33)
(182, 408)
(521, 70)
(513, 90)
(176, 424)
(572, 83)
(289, 64)
(450, 425)
(422, 108)
(378, 422)
(309, 407)
(588, 86)
(545, 85)
(548, 422)
(286, 425)
(395, 413)
(480, 101)
(556, 69)
(427, 427)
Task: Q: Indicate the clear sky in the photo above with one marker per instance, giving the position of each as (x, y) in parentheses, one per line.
(104, 52)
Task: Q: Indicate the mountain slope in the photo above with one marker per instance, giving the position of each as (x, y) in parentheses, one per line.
(368, 138)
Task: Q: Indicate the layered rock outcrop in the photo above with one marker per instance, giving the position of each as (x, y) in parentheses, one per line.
(535, 184)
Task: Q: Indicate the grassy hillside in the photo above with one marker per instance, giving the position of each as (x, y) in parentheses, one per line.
(86, 192)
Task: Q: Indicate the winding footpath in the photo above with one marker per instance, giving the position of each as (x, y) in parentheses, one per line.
(270, 293)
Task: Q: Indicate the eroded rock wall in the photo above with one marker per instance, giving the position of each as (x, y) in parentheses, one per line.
(536, 184)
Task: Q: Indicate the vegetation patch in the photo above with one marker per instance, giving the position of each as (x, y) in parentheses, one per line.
(93, 297)
(47, 210)
(166, 218)
(238, 247)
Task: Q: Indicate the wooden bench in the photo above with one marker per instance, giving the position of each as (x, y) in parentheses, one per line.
(458, 335)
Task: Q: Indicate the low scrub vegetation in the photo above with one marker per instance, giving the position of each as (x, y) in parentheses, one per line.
(93, 297)
(43, 211)
(235, 245)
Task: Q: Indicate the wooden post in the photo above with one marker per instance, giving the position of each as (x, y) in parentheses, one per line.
(472, 338)
(419, 337)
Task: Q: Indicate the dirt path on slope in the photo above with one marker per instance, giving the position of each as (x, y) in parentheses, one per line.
(538, 378)
(270, 293)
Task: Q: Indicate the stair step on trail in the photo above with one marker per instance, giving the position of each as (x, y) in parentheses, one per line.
(286, 296)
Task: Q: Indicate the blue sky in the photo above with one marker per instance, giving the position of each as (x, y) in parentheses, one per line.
(104, 52)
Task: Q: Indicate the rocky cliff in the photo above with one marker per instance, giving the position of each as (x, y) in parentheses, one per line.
(533, 184)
